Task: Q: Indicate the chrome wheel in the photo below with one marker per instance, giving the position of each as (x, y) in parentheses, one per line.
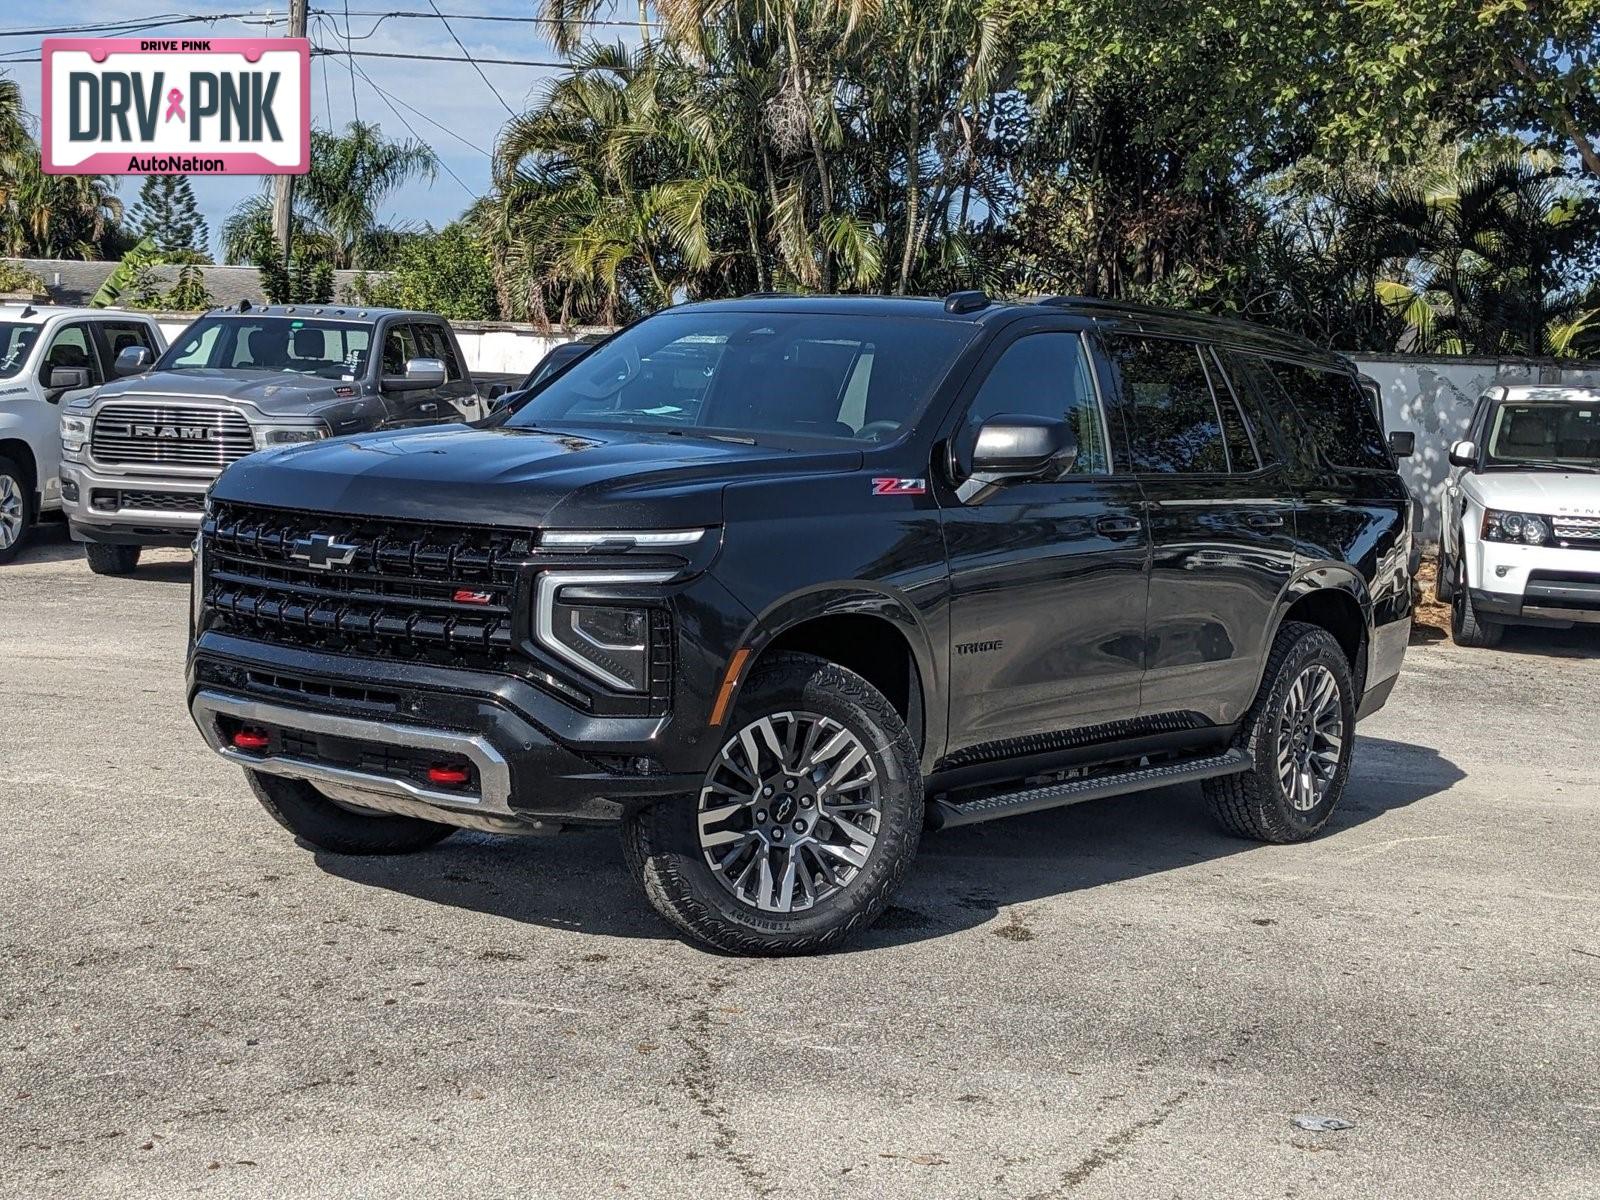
(790, 811)
(13, 511)
(1310, 737)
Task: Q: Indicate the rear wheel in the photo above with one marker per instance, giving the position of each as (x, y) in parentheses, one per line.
(112, 560)
(312, 817)
(804, 826)
(16, 510)
(1467, 627)
(1299, 735)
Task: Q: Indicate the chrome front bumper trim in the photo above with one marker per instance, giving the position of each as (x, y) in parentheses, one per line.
(494, 774)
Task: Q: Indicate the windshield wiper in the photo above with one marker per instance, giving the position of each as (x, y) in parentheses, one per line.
(736, 439)
(1543, 464)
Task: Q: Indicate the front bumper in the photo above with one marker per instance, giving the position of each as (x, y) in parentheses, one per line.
(100, 506)
(1534, 585)
(359, 731)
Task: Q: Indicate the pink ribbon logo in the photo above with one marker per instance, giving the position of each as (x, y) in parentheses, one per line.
(175, 105)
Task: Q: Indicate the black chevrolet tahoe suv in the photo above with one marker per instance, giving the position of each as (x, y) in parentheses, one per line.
(779, 583)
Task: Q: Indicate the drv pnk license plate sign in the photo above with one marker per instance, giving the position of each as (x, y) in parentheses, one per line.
(171, 106)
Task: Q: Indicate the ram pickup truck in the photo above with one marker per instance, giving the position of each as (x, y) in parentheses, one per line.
(50, 357)
(776, 583)
(138, 455)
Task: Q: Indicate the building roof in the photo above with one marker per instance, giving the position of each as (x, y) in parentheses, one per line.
(70, 281)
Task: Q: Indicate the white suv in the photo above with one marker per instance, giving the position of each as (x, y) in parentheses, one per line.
(1520, 538)
(49, 355)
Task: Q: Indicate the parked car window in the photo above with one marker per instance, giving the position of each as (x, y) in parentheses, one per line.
(795, 374)
(1176, 428)
(1047, 375)
(120, 335)
(1236, 429)
(70, 348)
(399, 348)
(433, 342)
(1337, 414)
(326, 349)
(16, 340)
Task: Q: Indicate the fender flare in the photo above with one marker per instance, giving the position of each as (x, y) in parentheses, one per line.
(1322, 576)
(855, 598)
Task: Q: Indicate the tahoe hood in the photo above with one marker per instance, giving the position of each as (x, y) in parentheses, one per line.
(518, 477)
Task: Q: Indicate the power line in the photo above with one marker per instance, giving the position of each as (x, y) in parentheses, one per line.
(384, 96)
(355, 104)
(391, 97)
(451, 31)
(584, 22)
(453, 58)
(135, 24)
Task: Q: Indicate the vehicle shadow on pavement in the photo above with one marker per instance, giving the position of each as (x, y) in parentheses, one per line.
(51, 543)
(963, 878)
(1581, 641)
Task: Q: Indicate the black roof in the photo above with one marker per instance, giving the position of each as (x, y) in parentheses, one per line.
(1140, 318)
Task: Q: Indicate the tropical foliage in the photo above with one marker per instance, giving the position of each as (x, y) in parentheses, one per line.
(49, 216)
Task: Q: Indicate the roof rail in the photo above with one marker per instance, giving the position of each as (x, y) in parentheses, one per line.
(770, 295)
(966, 302)
(1155, 310)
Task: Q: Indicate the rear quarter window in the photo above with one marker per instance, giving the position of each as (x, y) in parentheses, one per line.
(1337, 414)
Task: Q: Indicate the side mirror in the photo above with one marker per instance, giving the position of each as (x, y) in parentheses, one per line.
(133, 360)
(66, 379)
(1011, 448)
(1464, 454)
(421, 375)
(497, 401)
(1402, 443)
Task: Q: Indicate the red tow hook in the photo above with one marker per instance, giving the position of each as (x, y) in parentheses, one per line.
(251, 739)
(449, 776)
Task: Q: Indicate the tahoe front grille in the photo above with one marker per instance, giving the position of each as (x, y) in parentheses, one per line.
(368, 587)
(169, 435)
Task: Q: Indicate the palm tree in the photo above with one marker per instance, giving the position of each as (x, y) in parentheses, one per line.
(338, 202)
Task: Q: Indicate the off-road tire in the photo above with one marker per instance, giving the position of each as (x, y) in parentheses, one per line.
(661, 842)
(112, 560)
(22, 489)
(318, 821)
(1253, 804)
(1467, 627)
(1443, 578)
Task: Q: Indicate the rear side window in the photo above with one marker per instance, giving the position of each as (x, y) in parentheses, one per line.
(120, 335)
(1242, 453)
(1176, 427)
(1337, 414)
(1047, 375)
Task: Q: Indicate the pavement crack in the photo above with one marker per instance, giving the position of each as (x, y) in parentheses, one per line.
(699, 1080)
(1113, 1148)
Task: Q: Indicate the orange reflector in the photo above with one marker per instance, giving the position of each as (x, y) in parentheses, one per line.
(720, 709)
(449, 776)
(251, 739)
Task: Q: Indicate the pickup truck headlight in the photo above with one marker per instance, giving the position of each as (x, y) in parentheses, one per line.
(605, 638)
(286, 435)
(1527, 528)
(74, 434)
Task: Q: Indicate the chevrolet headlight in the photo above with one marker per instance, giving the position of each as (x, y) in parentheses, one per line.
(74, 434)
(287, 435)
(1527, 528)
(605, 638)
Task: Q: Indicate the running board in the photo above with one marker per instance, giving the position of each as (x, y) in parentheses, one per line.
(944, 815)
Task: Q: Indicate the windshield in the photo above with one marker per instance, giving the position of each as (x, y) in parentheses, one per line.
(1564, 436)
(326, 349)
(791, 374)
(16, 339)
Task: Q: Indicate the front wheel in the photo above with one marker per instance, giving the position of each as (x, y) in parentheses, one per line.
(1467, 626)
(16, 510)
(1299, 735)
(111, 560)
(805, 823)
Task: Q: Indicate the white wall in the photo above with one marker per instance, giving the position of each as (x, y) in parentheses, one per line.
(1434, 397)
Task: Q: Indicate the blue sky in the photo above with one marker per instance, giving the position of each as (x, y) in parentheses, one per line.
(451, 93)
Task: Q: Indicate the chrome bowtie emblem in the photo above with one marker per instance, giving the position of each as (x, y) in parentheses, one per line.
(322, 550)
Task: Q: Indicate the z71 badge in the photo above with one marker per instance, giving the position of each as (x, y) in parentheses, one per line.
(899, 487)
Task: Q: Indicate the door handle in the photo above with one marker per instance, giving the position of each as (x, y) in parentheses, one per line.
(1118, 526)
(1264, 521)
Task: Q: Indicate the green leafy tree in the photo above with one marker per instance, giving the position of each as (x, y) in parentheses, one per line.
(448, 272)
(166, 212)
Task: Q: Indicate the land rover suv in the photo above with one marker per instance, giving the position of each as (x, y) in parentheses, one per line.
(778, 584)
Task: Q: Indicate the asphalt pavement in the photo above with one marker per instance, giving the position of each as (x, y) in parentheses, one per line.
(1113, 1000)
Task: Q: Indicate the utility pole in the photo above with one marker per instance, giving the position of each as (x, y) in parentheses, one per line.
(283, 185)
